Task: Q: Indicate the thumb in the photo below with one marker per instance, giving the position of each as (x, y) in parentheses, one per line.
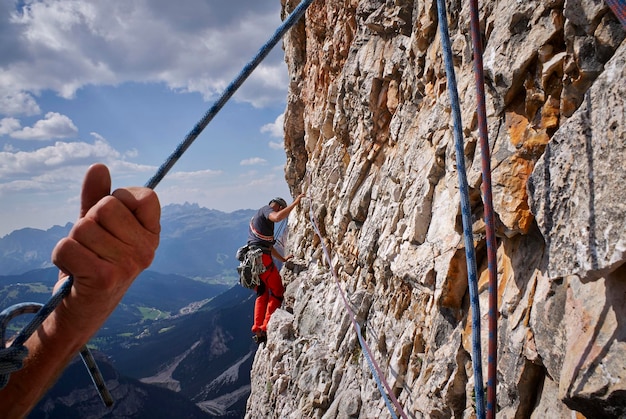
(96, 185)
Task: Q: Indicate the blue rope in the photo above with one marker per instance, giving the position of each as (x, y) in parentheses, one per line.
(372, 366)
(293, 18)
(96, 376)
(465, 209)
(11, 359)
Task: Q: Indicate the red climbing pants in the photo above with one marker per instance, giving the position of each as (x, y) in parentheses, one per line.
(269, 295)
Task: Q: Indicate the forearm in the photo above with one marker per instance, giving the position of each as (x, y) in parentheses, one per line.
(280, 257)
(284, 213)
(277, 255)
(52, 346)
(50, 349)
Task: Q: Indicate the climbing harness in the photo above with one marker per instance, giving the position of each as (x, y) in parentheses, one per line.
(11, 358)
(258, 235)
(374, 368)
(470, 255)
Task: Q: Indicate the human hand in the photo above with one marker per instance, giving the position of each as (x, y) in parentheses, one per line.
(114, 239)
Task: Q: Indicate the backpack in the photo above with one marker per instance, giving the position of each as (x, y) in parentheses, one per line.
(250, 266)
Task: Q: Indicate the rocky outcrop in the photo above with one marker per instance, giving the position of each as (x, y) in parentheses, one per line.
(368, 138)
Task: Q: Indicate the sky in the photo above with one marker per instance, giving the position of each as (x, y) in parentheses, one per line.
(122, 82)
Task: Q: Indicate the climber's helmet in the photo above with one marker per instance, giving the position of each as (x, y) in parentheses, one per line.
(280, 201)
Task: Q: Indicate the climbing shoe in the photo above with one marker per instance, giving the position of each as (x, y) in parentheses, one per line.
(260, 337)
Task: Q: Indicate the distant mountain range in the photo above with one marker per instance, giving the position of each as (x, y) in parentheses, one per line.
(152, 296)
(192, 366)
(75, 397)
(206, 356)
(28, 248)
(200, 242)
(179, 343)
(195, 242)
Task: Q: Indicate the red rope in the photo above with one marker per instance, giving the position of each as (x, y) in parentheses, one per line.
(619, 9)
(488, 211)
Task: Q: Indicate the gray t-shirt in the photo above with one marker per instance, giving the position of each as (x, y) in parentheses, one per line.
(261, 229)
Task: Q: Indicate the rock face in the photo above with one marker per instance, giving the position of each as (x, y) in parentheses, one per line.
(369, 139)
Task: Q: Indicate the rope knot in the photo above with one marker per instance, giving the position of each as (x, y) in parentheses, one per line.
(11, 360)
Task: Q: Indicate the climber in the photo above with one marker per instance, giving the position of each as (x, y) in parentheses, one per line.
(270, 290)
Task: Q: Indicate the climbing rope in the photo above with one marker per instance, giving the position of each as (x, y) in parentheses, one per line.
(492, 262)
(375, 369)
(465, 209)
(291, 20)
(11, 358)
(619, 9)
(279, 233)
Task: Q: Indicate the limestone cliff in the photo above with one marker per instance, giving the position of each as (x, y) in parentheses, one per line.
(369, 139)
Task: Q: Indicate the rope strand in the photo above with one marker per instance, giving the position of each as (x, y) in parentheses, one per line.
(465, 210)
(492, 262)
(374, 368)
(619, 9)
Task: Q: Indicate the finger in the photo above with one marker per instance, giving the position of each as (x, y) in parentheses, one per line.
(73, 258)
(96, 185)
(144, 204)
(98, 285)
(113, 232)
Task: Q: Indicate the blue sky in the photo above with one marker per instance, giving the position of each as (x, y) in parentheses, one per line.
(122, 82)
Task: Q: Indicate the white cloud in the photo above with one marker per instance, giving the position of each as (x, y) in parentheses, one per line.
(17, 102)
(254, 161)
(193, 176)
(9, 125)
(61, 155)
(276, 146)
(258, 180)
(54, 48)
(190, 45)
(53, 126)
(227, 194)
(45, 183)
(132, 153)
(123, 168)
(275, 129)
